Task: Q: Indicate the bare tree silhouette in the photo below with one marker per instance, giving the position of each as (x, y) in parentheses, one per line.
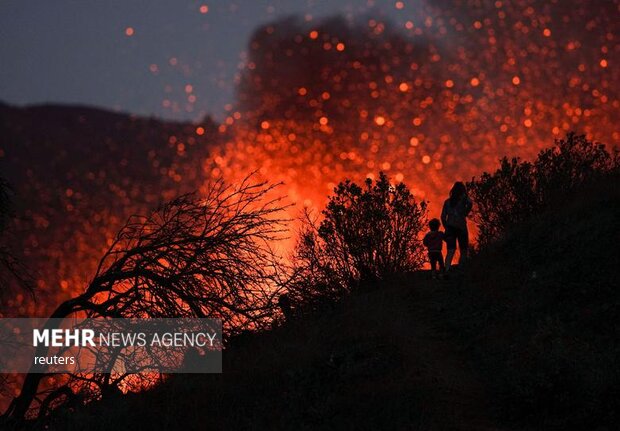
(196, 256)
(13, 274)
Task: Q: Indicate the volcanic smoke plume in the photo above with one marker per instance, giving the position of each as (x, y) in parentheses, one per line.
(436, 99)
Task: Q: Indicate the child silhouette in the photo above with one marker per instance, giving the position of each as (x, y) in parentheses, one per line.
(433, 241)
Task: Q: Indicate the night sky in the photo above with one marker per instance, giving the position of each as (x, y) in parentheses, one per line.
(427, 91)
(84, 52)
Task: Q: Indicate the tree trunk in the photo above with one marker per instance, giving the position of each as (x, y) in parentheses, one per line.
(20, 404)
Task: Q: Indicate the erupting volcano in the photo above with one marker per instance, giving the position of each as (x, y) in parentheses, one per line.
(438, 97)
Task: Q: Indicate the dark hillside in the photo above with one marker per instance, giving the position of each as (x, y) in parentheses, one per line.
(525, 339)
(68, 210)
(379, 360)
(540, 313)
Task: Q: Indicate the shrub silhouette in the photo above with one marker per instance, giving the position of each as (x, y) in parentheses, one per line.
(367, 233)
(14, 275)
(542, 313)
(195, 256)
(519, 190)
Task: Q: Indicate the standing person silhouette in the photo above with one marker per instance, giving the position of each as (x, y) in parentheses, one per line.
(454, 219)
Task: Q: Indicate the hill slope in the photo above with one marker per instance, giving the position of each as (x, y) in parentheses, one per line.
(524, 338)
(381, 360)
(541, 310)
(77, 174)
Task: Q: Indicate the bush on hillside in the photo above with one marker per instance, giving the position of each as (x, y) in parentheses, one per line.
(367, 233)
(519, 190)
(544, 309)
(541, 313)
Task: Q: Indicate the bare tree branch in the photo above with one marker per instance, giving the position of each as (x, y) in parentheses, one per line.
(209, 256)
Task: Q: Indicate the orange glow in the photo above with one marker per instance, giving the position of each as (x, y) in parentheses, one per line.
(378, 99)
(204, 9)
(129, 31)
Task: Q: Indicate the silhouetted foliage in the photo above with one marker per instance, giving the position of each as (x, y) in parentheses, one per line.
(13, 274)
(541, 312)
(367, 233)
(6, 258)
(195, 256)
(519, 190)
(5, 203)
